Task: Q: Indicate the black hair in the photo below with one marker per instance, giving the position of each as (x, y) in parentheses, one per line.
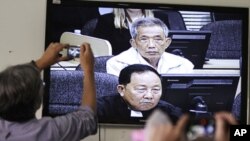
(125, 74)
(21, 90)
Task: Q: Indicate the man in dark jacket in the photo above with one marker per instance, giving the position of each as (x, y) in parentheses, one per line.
(140, 90)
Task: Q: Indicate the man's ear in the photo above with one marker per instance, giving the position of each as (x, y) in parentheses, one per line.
(167, 42)
(121, 89)
(132, 42)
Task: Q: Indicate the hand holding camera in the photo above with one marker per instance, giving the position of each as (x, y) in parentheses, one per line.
(73, 51)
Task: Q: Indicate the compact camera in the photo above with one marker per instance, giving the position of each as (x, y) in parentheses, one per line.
(73, 52)
(100, 47)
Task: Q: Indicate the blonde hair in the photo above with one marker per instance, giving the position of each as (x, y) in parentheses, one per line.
(120, 17)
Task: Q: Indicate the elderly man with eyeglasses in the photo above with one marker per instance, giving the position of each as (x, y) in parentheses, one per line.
(149, 42)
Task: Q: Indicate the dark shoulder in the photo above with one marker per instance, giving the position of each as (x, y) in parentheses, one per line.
(109, 18)
(166, 106)
(172, 111)
(163, 103)
(109, 99)
(105, 25)
(162, 16)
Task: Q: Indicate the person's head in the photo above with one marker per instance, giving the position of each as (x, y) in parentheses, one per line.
(21, 90)
(140, 86)
(150, 37)
(121, 15)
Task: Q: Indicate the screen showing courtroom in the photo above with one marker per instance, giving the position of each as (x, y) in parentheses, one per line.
(200, 53)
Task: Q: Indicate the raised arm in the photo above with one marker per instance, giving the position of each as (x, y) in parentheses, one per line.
(51, 56)
(87, 63)
(169, 132)
(222, 121)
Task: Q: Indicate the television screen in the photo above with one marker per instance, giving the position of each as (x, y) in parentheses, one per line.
(214, 92)
(192, 45)
(213, 38)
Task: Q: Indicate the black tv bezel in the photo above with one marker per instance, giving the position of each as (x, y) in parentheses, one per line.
(243, 11)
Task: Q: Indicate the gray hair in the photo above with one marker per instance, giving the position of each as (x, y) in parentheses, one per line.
(21, 90)
(147, 22)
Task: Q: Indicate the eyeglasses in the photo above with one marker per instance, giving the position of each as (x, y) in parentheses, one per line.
(154, 40)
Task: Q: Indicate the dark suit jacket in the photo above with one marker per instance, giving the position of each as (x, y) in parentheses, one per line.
(113, 109)
(118, 38)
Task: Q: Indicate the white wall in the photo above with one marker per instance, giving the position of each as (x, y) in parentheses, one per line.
(22, 35)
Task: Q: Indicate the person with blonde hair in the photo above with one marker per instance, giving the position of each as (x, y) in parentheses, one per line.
(123, 17)
(115, 26)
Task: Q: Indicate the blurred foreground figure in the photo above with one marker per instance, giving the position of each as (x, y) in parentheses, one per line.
(160, 128)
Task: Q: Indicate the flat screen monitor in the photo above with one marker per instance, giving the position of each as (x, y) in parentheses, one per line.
(64, 86)
(199, 93)
(192, 45)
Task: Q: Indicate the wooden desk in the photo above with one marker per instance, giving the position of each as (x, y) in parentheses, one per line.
(222, 64)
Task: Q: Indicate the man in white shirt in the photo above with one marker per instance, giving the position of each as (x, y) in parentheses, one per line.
(149, 42)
